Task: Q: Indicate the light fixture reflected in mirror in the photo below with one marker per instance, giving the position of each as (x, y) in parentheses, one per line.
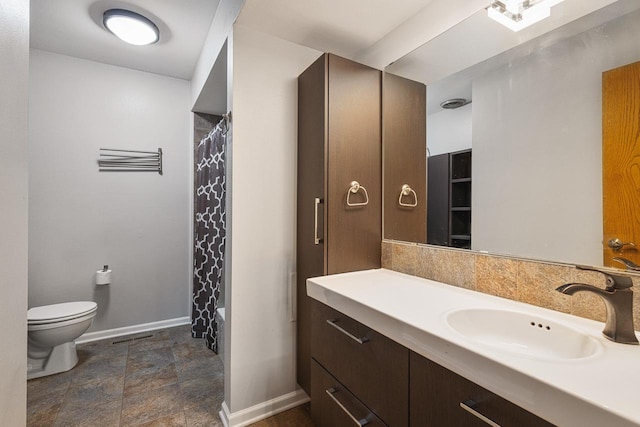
(131, 27)
(519, 14)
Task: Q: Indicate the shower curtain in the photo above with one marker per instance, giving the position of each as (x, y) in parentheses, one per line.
(209, 228)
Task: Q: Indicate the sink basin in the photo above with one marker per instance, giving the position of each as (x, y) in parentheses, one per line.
(522, 334)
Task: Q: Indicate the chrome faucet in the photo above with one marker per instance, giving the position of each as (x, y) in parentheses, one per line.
(618, 299)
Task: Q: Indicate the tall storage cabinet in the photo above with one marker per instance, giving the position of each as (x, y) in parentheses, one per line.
(339, 201)
(405, 158)
(449, 200)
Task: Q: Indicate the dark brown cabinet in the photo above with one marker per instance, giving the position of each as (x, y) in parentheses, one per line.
(449, 200)
(405, 158)
(440, 397)
(371, 366)
(339, 201)
(334, 405)
(359, 375)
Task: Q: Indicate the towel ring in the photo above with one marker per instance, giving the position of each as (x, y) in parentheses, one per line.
(353, 189)
(406, 191)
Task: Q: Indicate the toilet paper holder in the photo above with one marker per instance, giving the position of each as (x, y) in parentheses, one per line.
(103, 277)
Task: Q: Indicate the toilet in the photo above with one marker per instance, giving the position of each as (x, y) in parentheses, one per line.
(52, 331)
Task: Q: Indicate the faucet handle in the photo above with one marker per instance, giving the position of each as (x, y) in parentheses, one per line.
(614, 281)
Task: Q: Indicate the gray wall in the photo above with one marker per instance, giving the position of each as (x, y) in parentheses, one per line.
(449, 130)
(80, 218)
(537, 138)
(14, 51)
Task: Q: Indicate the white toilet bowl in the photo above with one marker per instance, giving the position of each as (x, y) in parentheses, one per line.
(52, 330)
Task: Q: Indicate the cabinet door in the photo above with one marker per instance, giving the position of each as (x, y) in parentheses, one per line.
(370, 365)
(354, 154)
(438, 200)
(312, 87)
(334, 406)
(438, 397)
(405, 158)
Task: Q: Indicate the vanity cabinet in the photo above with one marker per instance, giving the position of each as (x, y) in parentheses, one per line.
(334, 405)
(371, 366)
(440, 397)
(339, 195)
(358, 374)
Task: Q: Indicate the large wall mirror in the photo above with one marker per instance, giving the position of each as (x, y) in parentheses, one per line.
(528, 140)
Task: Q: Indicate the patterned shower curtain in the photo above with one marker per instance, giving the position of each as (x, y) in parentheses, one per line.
(210, 234)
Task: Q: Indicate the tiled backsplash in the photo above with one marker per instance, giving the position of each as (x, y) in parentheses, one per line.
(532, 282)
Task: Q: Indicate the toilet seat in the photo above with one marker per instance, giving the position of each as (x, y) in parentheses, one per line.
(55, 313)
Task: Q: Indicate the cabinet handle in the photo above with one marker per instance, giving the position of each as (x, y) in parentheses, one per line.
(362, 422)
(468, 405)
(406, 191)
(333, 322)
(317, 240)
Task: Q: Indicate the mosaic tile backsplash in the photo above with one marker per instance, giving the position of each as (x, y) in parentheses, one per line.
(532, 282)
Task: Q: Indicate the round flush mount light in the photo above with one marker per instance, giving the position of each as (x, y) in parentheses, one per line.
(453, 103)
(131, 27)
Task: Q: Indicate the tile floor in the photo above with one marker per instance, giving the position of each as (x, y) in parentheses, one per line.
(166, 379)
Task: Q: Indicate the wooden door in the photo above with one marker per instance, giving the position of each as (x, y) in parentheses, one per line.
(621, 162)
(310, 244)
(354, 233)
(405, 159)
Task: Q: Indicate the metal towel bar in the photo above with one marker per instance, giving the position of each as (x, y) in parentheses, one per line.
(112, 160)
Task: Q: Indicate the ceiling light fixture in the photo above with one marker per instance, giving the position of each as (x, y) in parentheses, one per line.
(519, 14)
(131, 27)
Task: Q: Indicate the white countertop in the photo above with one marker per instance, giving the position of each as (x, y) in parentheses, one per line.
(600, 390)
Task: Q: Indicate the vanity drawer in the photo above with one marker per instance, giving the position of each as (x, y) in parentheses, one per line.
(332, 405)
(440, 397)
(370, 365)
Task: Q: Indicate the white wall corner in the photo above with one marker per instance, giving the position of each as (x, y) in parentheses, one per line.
(14, 69)
(221, 27)
(262, 410)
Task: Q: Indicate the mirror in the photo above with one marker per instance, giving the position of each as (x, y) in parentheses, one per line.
(533, 131)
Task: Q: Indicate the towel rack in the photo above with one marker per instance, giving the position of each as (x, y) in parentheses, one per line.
(406, 191)
(112, 160)
(353, 189)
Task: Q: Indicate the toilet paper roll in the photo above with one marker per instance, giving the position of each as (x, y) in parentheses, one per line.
(103, 277)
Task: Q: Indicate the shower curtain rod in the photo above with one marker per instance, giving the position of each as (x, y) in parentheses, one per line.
(227, 121)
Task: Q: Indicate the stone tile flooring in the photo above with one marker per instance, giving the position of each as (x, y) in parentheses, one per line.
(167, 379)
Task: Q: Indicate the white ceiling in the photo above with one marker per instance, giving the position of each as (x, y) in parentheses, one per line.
(74, 28)
(343, 27)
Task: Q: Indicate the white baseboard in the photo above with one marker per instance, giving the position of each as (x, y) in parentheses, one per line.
(262, 410)
(224, 414)
(135, 329)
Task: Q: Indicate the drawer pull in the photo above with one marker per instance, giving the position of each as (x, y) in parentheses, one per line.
(333, 323)
(468, 405)
(316, 240)
(362, 422)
